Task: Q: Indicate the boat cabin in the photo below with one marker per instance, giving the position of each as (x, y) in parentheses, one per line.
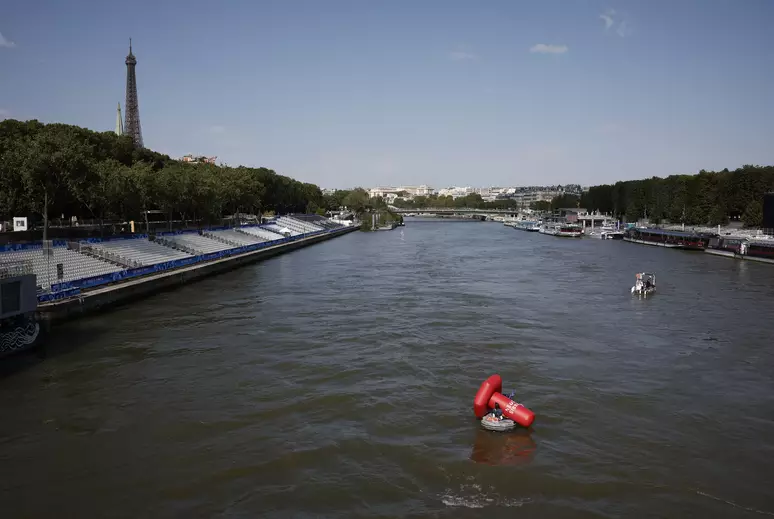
(646, 279)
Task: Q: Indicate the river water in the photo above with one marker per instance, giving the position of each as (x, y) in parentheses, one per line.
(338, 381)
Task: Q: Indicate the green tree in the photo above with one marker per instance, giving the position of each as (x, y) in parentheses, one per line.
(565, 201)
(540, 205)
(60, 169)
(753, 214)
(357, 201)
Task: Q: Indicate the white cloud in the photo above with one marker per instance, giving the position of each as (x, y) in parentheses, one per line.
(218, 129)
(461, 55)
(608, 18)
(623, 29)
(542, 48)
(613, 20)
(6, 43)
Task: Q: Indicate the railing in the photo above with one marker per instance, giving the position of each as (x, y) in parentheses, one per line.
(15, 269)
(246, 233)
(221, 239)
(71, 288)
(97, 252)
(177, 246)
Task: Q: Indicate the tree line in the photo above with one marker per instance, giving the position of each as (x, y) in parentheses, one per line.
(707, 198)
(61, 169)
(469, 201)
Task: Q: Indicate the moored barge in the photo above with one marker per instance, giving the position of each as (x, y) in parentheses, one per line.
(740, 247)
(666, 238)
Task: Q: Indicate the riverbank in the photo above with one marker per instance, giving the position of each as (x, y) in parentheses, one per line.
(100, 298)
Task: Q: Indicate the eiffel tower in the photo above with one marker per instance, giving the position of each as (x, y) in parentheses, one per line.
(132, 124)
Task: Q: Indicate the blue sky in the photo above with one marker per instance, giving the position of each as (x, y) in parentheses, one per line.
(344, 93)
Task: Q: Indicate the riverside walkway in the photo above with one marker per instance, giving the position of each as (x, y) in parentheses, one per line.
(76, 277)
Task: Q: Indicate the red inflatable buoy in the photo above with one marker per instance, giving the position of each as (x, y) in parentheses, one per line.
(513, 410)
(490, 393)
(492, 385)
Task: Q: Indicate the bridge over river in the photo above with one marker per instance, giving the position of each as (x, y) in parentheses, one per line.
(585, 219)
(457, 211)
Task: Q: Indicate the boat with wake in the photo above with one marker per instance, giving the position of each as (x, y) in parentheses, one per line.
(644, 284)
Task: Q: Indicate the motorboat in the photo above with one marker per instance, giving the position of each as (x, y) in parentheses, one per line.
(527, 225)
(568, 231)
(606, 232)
(644, 284)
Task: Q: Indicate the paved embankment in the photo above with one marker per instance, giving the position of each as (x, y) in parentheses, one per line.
(103, 297)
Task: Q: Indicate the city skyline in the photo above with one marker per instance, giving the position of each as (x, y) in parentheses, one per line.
(507, 94)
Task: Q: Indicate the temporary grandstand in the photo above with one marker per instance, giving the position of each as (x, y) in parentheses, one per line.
(261, 232)
(44, 262)
(280, 229)
(66, 266)
(137, 252)
(298, 226)
(318, 221)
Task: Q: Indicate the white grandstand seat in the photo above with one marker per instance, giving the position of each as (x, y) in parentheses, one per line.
(198, 243)
(75, 265)
(238, 237)
(276, 228)
(142, 251)
(297, 225)
(262, 232)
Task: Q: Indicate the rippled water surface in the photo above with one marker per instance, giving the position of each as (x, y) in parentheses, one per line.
(338, 381)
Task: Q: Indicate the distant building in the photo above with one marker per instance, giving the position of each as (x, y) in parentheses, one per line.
(382, 191)
(190, 159)
(423, 190)
(411, 191)
(456, 192)
(525, 195)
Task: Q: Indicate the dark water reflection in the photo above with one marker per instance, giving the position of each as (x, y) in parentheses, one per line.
(338, 381)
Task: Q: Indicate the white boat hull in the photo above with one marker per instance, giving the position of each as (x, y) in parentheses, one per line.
(656, 244)
(643, 292)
